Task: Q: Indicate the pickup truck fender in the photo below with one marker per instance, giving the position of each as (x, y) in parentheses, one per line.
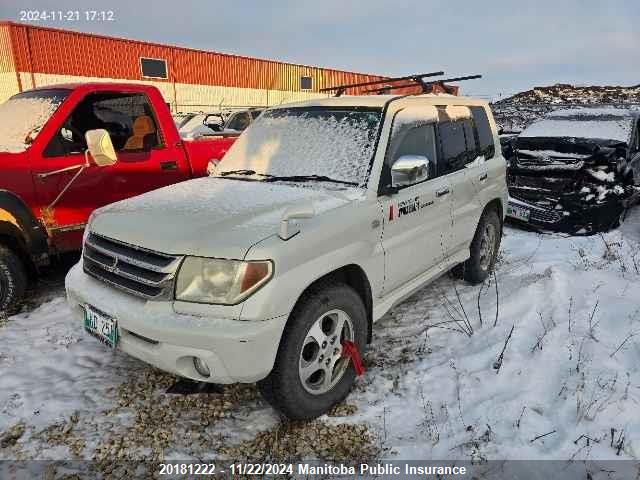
(21, 230)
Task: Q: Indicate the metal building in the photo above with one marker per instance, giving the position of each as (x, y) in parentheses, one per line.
(189, 79)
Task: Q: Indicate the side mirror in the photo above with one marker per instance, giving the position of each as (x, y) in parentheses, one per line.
(100, 147)
(409, 170)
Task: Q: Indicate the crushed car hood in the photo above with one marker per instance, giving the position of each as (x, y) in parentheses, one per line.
(566, 153)
(210, 217)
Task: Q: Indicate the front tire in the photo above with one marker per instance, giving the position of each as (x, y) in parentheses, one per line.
(484, 248)
(13, 280)
(309, 375)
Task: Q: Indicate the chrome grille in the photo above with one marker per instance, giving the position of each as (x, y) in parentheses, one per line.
(544, 216)
(132, 269)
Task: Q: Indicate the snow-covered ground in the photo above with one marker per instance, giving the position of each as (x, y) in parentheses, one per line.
(569, 378)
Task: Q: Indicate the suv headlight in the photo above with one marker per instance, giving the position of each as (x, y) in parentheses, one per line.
(220, 281)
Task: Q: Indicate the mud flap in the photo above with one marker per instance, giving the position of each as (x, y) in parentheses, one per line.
(350, 350)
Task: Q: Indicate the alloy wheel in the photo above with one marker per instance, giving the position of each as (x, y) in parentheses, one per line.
(321, 364)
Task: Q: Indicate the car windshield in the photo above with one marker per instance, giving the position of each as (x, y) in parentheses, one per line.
(24, 115)
(591, 126)
(288, 142)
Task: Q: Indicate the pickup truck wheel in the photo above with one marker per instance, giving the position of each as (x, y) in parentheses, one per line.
(310, 374)
(484, 248)
(13, 280)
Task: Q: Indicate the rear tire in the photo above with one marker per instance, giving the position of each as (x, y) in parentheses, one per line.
(309, 376)
(13, 280)
(484, 248)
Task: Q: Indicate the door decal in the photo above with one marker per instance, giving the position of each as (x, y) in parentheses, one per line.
(407, 207)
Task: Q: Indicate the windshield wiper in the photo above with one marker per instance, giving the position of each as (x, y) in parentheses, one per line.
(307, 178)
(242, 172)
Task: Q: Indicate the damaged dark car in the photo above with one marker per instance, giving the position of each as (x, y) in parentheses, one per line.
(576, 171)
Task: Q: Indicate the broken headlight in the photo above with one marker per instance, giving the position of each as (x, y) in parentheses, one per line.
(220, 281)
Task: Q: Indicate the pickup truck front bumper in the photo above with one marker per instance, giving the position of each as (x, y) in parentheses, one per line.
(235, 351)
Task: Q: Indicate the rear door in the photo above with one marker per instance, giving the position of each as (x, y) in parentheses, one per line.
(145, 162)
(459, 163)
(484, 152)
(417, 223)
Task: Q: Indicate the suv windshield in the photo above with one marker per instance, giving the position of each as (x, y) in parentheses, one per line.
(23, 115)
(288, 142)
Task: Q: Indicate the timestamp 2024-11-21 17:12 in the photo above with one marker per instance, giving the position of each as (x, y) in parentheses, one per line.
(66, 15)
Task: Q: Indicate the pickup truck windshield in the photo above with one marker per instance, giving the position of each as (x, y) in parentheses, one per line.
(296, 142)
(23, 115)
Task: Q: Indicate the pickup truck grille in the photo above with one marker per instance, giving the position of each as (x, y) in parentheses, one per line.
(137, 271)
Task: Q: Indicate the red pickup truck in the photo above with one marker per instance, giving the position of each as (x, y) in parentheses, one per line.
(48, 184)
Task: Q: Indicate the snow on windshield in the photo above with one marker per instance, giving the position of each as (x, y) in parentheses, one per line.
(599, 123)
(23, 115)
(337, 143)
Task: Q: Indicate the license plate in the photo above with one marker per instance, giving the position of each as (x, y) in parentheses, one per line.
(101, 326)
(518, 212)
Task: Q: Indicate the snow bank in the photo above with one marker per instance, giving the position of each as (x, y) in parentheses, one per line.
(21, 119)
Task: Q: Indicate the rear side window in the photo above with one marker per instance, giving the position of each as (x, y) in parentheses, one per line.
(453, 146)
(485, 135)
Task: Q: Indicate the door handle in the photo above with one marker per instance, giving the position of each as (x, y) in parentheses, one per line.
(483, 177)
(170, 165)
(442, 192)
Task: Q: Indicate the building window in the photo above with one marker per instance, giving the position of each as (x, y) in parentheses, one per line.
(306, 83)
(153, 68)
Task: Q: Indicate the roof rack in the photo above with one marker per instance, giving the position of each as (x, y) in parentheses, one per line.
(427, 87)
(417, 79)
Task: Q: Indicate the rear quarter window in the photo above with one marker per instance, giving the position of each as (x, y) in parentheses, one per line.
(485, 135)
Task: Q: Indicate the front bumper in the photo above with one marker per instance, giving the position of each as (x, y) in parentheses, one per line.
(582, 219)
(235, 351)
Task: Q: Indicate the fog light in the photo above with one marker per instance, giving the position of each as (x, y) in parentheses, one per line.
(201, 367)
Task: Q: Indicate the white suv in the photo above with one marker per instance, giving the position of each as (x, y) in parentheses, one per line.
(322, 217)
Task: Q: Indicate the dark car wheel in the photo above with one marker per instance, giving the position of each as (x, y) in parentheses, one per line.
(13, 280)
(484, 249)
(310, 374)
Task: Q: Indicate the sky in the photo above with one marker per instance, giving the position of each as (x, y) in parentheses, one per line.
(514, 44)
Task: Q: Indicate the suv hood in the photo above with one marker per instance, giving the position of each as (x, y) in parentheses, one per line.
(210, 217)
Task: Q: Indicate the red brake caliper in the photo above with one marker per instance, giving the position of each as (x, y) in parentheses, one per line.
(350, 350)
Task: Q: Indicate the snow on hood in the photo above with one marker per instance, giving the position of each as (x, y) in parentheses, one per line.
(22, 117)
(604, 123)
(210, 216)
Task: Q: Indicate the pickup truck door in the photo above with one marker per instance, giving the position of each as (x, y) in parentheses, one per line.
(417, 227)
(146, 161)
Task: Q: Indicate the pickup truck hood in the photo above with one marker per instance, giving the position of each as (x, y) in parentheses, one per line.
(210, 217)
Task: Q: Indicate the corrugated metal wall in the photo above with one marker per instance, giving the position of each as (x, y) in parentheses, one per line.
(8, 77)
(46, 53)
